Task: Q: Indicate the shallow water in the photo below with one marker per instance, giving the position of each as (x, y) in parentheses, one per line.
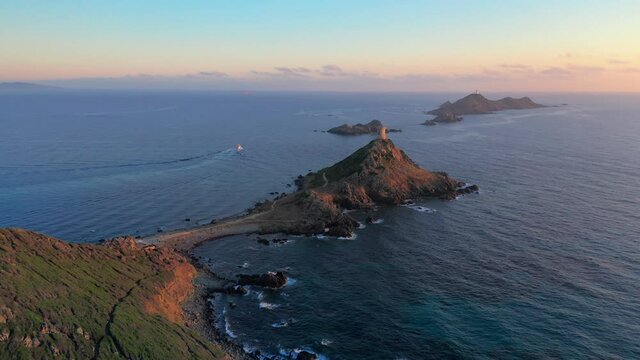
(544, 262)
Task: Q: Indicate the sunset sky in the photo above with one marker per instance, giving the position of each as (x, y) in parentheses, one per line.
(347, 45)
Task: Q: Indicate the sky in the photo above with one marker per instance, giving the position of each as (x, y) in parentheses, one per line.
(331, 45)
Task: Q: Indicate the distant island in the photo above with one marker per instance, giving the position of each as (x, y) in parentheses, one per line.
(372, 127)
(24, 86)
(476, 104)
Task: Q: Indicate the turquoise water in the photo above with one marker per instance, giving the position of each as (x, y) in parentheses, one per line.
(543, 263)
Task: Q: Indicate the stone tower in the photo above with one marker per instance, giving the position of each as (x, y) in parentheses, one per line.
(382, 135)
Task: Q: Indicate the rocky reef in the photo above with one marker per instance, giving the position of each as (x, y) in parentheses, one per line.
(475, 104)
(372, 127)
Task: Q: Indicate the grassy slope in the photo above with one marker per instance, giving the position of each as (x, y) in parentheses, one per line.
(344, 168)
(83, 302)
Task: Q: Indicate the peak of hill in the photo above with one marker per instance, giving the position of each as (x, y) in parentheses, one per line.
(378, 173)
(372, 127)
(93, 301)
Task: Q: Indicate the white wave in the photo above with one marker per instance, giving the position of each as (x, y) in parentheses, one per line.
(378, 221)
(283, 323)
(419, 208)
(350, 237)
(361, 225)
(326, 342)
(268, 306)
(227, 328)
(290, 281)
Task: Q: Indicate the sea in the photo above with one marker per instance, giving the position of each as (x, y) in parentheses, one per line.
(543, 263)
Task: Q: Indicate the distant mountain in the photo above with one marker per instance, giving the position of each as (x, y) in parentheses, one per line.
(24, 86)
(475, 104)
(373, 127)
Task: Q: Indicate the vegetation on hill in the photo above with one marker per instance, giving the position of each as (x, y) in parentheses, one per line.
(111, 301)
(372, 127)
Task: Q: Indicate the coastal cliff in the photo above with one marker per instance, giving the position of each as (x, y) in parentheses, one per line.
(476, 104)
(94, 301)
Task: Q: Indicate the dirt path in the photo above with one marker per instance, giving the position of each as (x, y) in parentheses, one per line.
(107, 328)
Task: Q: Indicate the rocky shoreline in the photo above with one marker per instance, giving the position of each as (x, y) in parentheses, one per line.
(200, 314)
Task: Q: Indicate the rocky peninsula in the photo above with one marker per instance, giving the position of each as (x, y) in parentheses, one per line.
(476, 104)
(377, 174)
(147, 298)
(372, 127)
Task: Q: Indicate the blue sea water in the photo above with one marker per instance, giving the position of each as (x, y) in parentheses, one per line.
(543, 263)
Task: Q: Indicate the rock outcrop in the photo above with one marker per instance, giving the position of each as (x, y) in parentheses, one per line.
(272, 280)
(373, 127)
(475, 104)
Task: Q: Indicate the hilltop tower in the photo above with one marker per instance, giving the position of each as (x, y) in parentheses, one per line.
(382, 135)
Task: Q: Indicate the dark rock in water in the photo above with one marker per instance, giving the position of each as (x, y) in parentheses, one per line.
(213, 221)
(370, 220)
(232, 305)
(469, 189)
(262, 241)
(235, 290)
(279, 241)
(445, 117)
(270, 280)
(305, 355)
(460, 191)
(160, 230)
(187, 219)
(373, 127)
(340, 231)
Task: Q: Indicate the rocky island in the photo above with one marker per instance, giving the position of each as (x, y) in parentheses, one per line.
(372, 127)
(476, 104)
